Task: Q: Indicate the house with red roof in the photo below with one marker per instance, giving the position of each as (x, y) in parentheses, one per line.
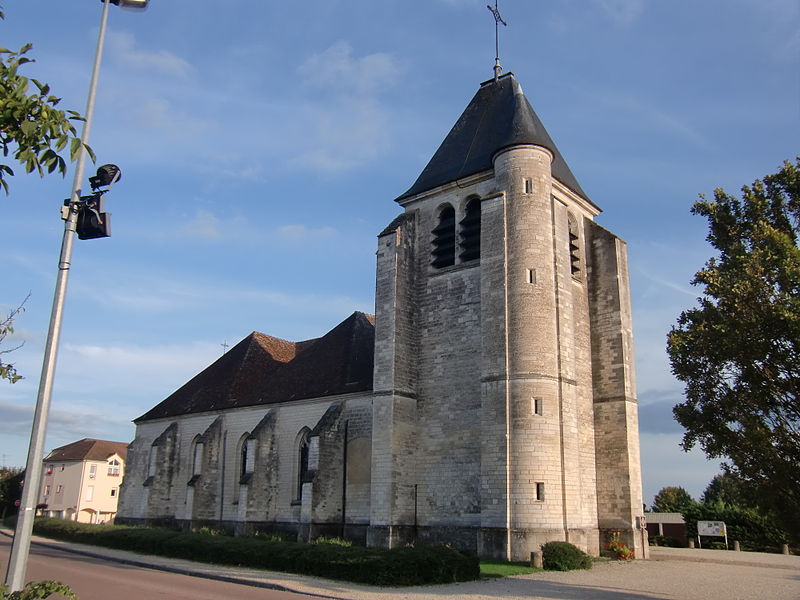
(81, 481)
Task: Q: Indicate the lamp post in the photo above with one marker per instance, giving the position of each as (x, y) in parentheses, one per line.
(17, 562)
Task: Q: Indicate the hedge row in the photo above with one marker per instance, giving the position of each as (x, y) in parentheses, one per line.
(754, 530)
(399, 566)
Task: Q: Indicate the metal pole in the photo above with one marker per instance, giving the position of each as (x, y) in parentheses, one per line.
(20, 547)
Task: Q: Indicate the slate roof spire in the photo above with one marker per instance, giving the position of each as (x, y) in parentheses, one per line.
(499, 116)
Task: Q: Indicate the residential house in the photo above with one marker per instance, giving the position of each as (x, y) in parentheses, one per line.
(80, 481)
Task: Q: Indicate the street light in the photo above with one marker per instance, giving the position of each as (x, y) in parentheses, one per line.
(75, 207)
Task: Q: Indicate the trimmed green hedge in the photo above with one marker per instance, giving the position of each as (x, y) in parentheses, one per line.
(399, 566)
(563, 556)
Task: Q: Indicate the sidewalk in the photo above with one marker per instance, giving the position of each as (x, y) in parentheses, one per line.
(670, 574)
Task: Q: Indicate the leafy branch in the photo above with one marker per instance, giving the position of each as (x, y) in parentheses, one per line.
(8, 371)
(32, 130)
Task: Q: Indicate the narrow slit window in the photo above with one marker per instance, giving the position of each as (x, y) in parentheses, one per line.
(197, 460)
(444, 239)
(528, 186)
(575, 265)
(539, 491)
(470, 228)
(247, 458)
(302, 463)
(532, 276)
(536, 405)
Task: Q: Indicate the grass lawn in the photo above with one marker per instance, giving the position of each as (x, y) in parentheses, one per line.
(491, 569)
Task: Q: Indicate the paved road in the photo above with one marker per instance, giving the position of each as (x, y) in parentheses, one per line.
(97, 579)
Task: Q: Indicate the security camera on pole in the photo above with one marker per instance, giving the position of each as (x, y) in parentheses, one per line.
(84, 215)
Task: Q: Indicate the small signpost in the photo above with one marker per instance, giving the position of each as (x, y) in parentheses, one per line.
(711, 529)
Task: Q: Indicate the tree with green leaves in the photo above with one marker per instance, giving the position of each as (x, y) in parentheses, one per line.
(738, 352)
(10, 490)
(32, 130)
(731, 489)
(672, 499)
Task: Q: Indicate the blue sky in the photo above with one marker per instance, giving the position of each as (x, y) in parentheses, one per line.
(262, 145)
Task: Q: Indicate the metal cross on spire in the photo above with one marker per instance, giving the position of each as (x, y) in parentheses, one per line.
(497, 20)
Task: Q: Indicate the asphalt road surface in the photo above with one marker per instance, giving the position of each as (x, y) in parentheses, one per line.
(96, 579)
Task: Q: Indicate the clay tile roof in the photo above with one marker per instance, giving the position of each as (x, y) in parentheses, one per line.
(498, 116)
(262, 369)
(88, 449)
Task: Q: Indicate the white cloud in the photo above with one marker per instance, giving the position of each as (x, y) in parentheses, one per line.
(347, 126)
(122, 47)
(346, 133)
(16, 419)
(301, 233)
(622, 12)
(633, 111)
(142, 294)
(677, 287)
(131, 361)
(336, 69)
(206, 225)
(203, 225)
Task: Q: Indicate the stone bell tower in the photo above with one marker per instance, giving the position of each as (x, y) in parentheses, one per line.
(504, 412)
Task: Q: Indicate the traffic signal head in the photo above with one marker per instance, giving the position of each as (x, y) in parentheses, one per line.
(92, 221)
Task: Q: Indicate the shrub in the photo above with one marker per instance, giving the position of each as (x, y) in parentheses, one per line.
(717, 546)
(38, 590)
(329, 558)
(563, 556)
(667, 541)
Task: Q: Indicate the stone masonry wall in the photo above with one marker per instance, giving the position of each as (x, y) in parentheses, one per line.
(394, 409)
(615, 406)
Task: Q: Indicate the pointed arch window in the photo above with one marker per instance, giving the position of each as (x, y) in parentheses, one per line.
(247, 456)
(444, 239)
(470, 231)
(302, 462)
(197, 460)
(152, 465)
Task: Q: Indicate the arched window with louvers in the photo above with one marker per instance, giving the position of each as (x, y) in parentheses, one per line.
(444, 239)
(470, 231)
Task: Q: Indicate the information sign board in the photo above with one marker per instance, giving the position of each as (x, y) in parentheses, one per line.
(711, 529)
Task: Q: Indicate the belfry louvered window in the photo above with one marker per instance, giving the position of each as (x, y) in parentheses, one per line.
(574, 248)
(444, 239)
(470, 231)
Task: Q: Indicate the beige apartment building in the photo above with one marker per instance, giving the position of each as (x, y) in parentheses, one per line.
(80, 481)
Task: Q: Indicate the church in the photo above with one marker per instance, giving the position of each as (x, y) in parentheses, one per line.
(490, 402)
